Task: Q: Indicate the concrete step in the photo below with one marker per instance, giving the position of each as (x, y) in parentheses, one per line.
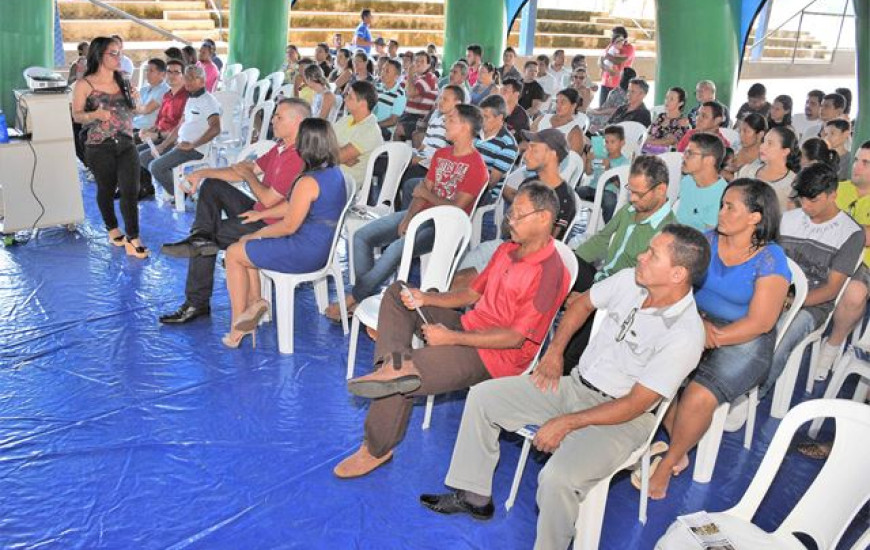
(377, 6)
(144, 9)
(187, 15)
(385, 23)
(86, 29)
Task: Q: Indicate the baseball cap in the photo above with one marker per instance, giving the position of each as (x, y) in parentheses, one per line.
(553, 138)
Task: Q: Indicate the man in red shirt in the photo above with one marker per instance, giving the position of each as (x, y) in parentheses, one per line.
(421, 96)
(514, 299)
(618, 55)
(456, 176)
(211, 231)
(168, 118)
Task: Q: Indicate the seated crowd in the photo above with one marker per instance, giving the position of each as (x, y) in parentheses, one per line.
(690, 289)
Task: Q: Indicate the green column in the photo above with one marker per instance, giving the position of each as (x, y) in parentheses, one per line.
(26, 39)
(474, 22)
(699, 40)
(862, 53)
(258, 33)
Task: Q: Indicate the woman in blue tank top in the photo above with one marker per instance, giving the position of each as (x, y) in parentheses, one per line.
(740, 300)
(301, 241)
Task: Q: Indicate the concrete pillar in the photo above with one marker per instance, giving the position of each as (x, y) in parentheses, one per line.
(481, 22)
(26, 39)
(527, 27)
(699, 40)
(258, 33)
(862, 54)
(761, 30)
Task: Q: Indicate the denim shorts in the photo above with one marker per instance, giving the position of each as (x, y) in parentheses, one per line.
(731, 371)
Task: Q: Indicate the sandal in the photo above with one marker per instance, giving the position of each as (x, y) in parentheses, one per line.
(117, 240)
(816, 451)
(250, 318)
(136, 251)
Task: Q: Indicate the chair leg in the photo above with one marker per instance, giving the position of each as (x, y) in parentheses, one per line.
(591, 516)
(427, 415)
(266, 293)
(351, 352)
(785, 384)
(179, 192)
(339, 290)
(644, 487)
(350, 271)
(518, 475)
(708, 447)
(750, 418)
(842, 371)
(476, 229)
(284, 296)
(321, 294)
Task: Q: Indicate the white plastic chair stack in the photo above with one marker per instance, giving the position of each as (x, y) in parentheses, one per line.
(674, 161)
(708, 447)
(230, 71)
(635, 133)
(512, 179)
(284, 91)
(231, 125)
(237, 83)
(785, 384)
(398, 158)
(286, 283)
(276, 79)
(452, 233)
(251, 75)
(827, 507)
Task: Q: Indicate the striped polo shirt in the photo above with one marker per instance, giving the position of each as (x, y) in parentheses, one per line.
(426, 86)
(499, 152)
(390, 101)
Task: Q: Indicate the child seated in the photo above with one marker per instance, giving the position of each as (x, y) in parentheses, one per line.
(614, 139)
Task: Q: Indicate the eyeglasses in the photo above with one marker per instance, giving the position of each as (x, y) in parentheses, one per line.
(626, 325)
(513, 217)
(639, 194)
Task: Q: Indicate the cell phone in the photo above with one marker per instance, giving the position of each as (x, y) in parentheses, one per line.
(529, 430)
(417, 309)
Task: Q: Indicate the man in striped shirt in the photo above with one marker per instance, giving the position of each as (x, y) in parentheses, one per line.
(498, 146)
(391, 97)
(422, 91)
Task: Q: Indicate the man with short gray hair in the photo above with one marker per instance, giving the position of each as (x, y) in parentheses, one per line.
(705, 91)
(199, 126)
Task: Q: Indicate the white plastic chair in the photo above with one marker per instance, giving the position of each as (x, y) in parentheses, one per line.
(276, 79)
(261, 91)
(180, 172)
(237, 83)
(596, 216)
(733, 137)
(259, 131)
(231, 70)
(784, 388)
(452, 233)
(252, 75)
(286, 283)
(335, 112)
(231, 112)
(398, 157)
(512, 179)
(635, 133)
(811, 130)
(827, 507)
(141, 76)
(851, 363)
(674, 161)
(708, 447)
(582, 120)
(573, 170)
(284, 91)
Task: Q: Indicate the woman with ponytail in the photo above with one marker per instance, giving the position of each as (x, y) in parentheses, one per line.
(778, 162)
(815, 150)
(104, 103)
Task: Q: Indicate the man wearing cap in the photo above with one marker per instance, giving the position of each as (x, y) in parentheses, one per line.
(512, 303)
(546, 150)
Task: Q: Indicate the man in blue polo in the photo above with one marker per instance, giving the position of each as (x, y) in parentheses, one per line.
(362, 37)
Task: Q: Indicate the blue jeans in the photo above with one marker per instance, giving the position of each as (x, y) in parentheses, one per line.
(800, 327)
(161, 168)
(383, 233)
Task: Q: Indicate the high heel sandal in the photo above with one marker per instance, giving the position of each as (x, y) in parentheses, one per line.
(118, 240)
(137, 251)
(231, 343)
(250, 318)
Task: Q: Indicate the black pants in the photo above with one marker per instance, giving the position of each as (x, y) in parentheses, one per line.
(413, 172)
(79, 141)
(215, 197)
(578, 342)
(605, 91)
(115, 165)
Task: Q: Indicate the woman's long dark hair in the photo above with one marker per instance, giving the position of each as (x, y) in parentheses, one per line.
(96, 51)
(787, 104)
(316, 144)
(817, 150)
(759, 197)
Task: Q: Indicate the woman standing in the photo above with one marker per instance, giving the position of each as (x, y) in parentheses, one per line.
(487, 83)
(740, 300)
(777, 164)
(669, 127)
(324, 103)
(104, 103)
(752, 130)
(300, 242)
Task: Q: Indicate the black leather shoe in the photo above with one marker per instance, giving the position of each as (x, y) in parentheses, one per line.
(452, 503)
(184, 314)
(190, 247)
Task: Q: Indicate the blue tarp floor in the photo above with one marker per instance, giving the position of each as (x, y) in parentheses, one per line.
(118, 432)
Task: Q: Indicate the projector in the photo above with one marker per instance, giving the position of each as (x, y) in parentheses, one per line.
(42, 80)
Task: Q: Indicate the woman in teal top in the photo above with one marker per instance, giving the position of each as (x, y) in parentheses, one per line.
(301, 241)
(740, 300)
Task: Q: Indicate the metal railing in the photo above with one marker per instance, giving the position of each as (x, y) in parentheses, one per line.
(124, 15)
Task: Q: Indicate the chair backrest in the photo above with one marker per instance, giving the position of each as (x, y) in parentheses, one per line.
(634, 136)
(657, 110)
(335, 112)
(544, 123)
(237, 83)
(252, 75)
(398, 157)
(733, 137)
(261, 90)
(452, 234)
(674, 162)
(255, 150)
(799, 280)
(513, 180)
(578, 206)
(231, 111)
(284, 91)
(812, 130)
(569, 259)
(573, 170)
(840, 489)
(231, 70)
(622, 196)
(276, 79)
(348, 187)
(259, 131)
(582, 120)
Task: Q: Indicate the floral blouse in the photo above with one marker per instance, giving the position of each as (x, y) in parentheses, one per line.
(121, 121)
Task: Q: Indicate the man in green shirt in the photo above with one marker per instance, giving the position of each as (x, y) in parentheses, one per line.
(625, 236)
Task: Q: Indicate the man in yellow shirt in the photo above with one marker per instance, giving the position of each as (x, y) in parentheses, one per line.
(853, 197)
(358, 133)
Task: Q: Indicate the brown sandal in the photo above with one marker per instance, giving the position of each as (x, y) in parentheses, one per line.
(816, 451)
(116, 241)
(136, 251)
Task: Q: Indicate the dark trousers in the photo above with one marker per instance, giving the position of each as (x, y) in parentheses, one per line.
(413, 173)
(442, 368)
(79, 142)
(578, 342)
(605, 91)
(215, 197)
(115, 166)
